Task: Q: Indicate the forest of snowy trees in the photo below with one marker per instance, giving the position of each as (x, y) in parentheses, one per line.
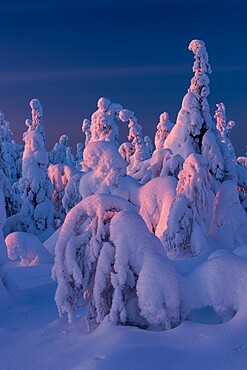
(120, 219)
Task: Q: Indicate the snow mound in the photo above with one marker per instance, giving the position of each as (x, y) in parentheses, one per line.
(219, 283)
(27, 247)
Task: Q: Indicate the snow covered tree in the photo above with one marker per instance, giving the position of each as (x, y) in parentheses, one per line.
(190, 214)
(195, 131)
(58, 153)
(224, 127)
(6, 155)
(79, 156)
(103, 121)
(229, 222)
(126, 150)
(12, 203)
(195, 184)
(135, 136)
(162, 163)
(164, 128)
(72, 195)
(241, 168)
(149, 145)
(3, 253)
(86, 125)
(6, 285)
(70, 159)
(106, 258)
(37, 117)
(37, 212)
(107, 167)
(59, 175)
(9, 162)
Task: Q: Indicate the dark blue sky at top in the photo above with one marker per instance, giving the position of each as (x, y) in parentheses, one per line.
(70, 53)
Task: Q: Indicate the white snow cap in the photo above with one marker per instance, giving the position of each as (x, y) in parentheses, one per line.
(103, 104)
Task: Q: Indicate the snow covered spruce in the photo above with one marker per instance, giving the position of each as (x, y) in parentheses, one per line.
(37, 212)
(106, 258)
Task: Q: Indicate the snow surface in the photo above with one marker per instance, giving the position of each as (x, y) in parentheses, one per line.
(32, 336)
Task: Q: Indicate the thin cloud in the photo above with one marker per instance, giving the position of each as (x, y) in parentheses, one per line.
(89, 73)
(230, 68)
(77, 74)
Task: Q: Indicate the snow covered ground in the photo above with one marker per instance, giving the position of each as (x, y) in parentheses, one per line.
(33, 337)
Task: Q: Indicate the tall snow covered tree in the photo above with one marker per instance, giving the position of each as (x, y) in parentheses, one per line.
(37, 117)
(108, 260)
(164, 128)
(37, 212)
(195, 131)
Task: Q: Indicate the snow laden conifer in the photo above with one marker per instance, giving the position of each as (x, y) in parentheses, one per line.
(8, 290)
(79, 156)
(105, 260)
(107, 168)
(72, 195)
(59, 175)
(70, 159)
(103, 122)
(164, 128)
(229, 222)
(126, 150)
(149, 145)
(224, 127)
(136, 138)
(9, 161)
(11, 152)
(191, 212)
(6, 158)
(195, 131)
(86, 125)
(241, 168)
(37, 117)
(37, 212)
(58, 153)
(6, 285)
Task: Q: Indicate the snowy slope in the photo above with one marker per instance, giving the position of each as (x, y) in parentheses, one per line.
(33, 337)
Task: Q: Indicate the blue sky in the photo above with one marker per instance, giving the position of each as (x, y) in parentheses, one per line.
(70, 53)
